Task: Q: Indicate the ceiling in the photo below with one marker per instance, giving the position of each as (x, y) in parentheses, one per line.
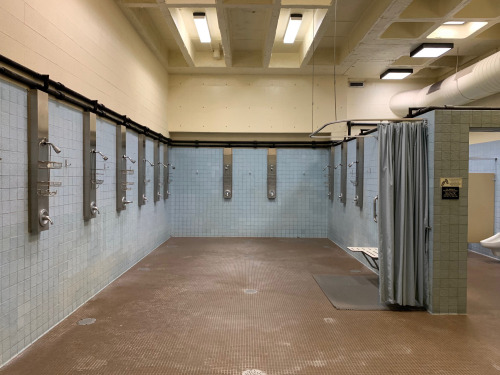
(363, 37)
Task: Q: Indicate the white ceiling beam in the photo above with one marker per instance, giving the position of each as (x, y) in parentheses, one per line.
(318, 28)
(223, 20)
(142, 24)
(176, 25)
(271, 34)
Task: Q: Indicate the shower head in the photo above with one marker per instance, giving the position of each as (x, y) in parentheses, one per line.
(55, 148)
(100, 153)
(45, 142)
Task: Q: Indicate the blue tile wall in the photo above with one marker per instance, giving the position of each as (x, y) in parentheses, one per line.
(350, 225)
(43, 278)
(299, 210)
(491, 152)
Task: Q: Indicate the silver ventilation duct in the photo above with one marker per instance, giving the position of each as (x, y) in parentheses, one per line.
(475, 82)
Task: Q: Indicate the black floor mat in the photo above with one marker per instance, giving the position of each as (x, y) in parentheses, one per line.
(345, 292)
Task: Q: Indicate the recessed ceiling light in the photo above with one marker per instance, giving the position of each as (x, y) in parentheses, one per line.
(456, 31)
(292, 28)
(454, 23)
(200, 21)
(431, 49)
(396, 73)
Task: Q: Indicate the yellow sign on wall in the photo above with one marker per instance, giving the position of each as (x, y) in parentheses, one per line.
(451, 182)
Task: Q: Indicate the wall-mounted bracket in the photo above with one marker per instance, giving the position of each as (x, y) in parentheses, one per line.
(227, 173)
(360, 166)
(271, 173)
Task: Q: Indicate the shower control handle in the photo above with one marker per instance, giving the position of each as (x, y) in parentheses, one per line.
(125, 201)
(144, 198)
(44, 218)
(94, 209)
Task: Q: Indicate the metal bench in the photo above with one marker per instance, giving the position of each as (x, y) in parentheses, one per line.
(370, 254)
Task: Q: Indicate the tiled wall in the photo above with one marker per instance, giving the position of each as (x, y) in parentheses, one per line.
(488, 162)
(200, 210)
(449, 157)
(350, 225)
(44, 277)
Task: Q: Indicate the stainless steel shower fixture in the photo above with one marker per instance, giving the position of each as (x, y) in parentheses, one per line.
(331, 173)
(227, 173)
(343, 173)
(271, 173)
(156, 165)
(141, 170)
(166, 172)
(121, 168)
(90, 172)
(352, 163)
(360, 165)
(39, 162)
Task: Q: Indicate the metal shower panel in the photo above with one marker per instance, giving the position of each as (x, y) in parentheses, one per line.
(331, 171)
(227, 176)
(89, 166)
(166, 172)
(39, 162)
(343, 173)
(271, 173)
(360, 167)
(141, 171)
(122, 185)
(156, 162)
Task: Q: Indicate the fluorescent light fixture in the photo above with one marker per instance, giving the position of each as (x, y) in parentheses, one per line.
(431, 49)
(454, 23)
(200, 21)
(396, 73)
(292, 28)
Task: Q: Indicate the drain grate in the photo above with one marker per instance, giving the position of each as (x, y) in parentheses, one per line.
(253, 372)
(355, 271)
(250, 291)
(144, 269)
(86, 321)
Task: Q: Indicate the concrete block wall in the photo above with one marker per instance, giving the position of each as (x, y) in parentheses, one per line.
(44, 277)
(350, 225)
(449, 157)
(299, 210)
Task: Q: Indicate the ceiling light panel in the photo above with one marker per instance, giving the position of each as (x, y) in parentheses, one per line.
(396, 73)
(431, 49)
(200, 21)
(292, 28)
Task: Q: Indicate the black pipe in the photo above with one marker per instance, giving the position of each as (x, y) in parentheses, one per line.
(417, 111)
(63, 93)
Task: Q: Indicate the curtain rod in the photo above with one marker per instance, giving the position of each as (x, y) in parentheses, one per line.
(364, 121)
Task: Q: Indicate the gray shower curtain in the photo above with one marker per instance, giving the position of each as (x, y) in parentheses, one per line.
(403, 212)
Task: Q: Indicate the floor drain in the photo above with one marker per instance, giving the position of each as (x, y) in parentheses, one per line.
(355, 271)
(144, 269)
(253, 372)
(250, 291)
(86, 321)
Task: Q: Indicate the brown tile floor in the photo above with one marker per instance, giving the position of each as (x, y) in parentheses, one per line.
(182, 310)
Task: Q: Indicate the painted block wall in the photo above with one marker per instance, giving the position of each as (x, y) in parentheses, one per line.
(89, 46)
(299, 210)
(43, 278)
(350, 225)
(491, 152)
